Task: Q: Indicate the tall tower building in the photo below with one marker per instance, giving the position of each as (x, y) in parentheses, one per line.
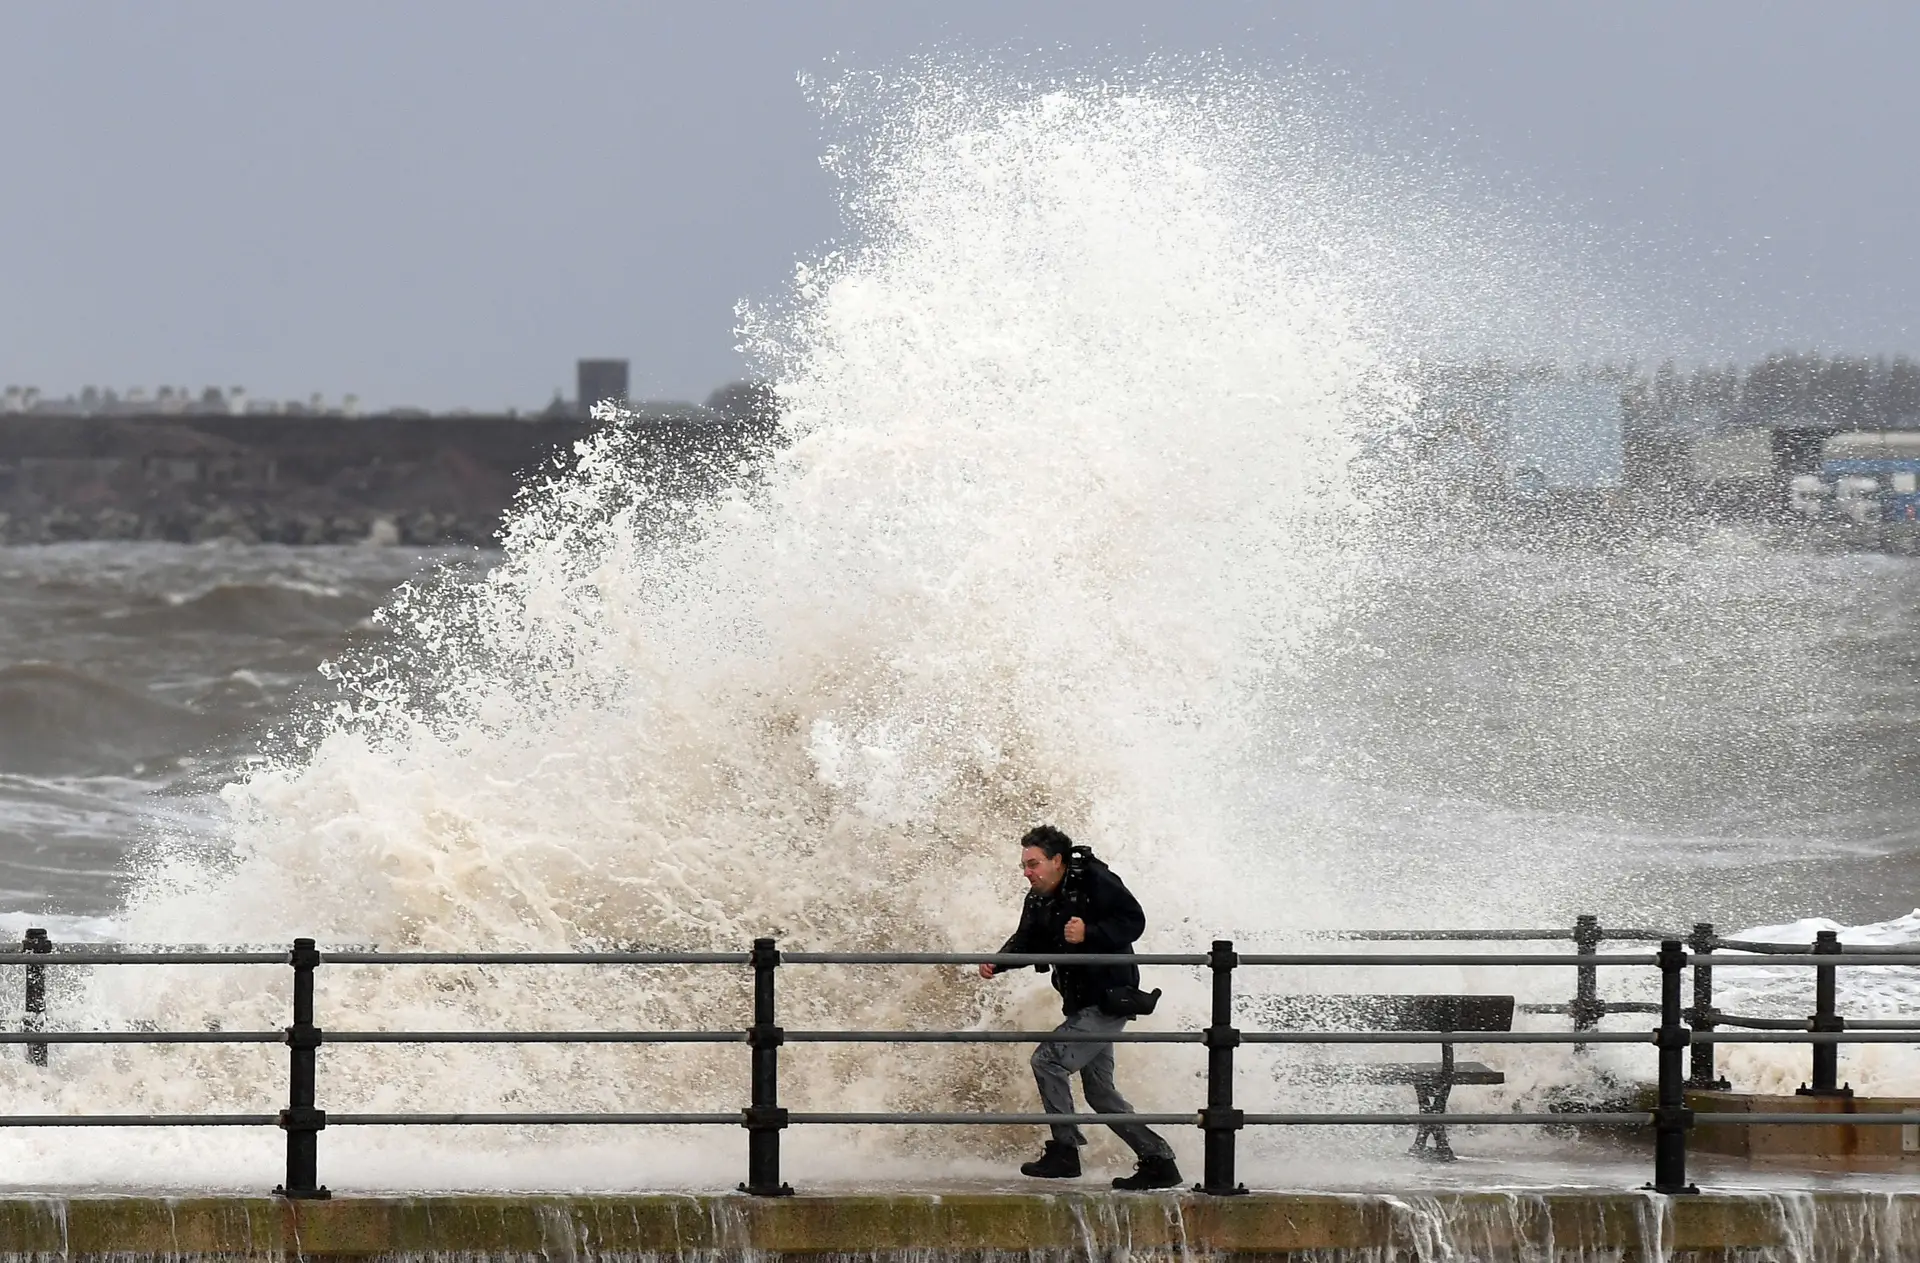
(599, 381)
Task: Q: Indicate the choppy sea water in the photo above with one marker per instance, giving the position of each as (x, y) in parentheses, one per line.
(139, 678)
(1715, 727)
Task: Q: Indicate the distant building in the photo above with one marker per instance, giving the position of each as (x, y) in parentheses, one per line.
(599, 381)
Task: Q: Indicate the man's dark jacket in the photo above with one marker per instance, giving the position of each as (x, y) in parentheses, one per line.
(1114, 920)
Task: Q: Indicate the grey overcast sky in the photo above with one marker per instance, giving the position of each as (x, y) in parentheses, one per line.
(444, 202)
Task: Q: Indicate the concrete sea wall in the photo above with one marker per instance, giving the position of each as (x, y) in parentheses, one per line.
(1537, 1226)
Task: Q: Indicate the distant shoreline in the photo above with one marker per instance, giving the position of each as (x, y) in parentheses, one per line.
(293, 479)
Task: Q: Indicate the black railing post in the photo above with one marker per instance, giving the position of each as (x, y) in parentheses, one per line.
(1826, 1018)
(33, 1016)
(1671, 1117)
(301, 1121)
(1220, 1120)
(1701, 1017)
(764, 1119)
(1586, 1008)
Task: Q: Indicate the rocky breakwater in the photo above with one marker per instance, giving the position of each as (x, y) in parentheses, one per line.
(305, 480)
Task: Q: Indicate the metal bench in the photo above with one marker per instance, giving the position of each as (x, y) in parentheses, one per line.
(1432, 1081)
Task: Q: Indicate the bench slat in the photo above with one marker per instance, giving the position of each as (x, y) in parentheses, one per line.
(1382, 1012)
(1420, 1073)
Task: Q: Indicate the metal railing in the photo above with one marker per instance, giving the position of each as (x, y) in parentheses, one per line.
(1220, 1120)
(1587, 1008)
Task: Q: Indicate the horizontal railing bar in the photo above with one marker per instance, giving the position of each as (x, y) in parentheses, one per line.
(143, 1037)
(1021, 959)
(533, 958)
(109, 945)
(1806, 949)
(1626, 934)
(540, 1120)
(1358, 958)
(1852, 956)
(1861, 956)
(997, 1120)
(1446, 1037)
(1792, 1033)
(1856, 955)
(733, 1119)
(143, 958)
(331, 1036)
(534, 1037)
(1806, 1037)
(1441, 936)
(1447, 1120)
(1603, 1006)
(1010, 959)
(995, 1037)
(139, 1120)
(1616, 958)
(740, 958)
(1789, 1032)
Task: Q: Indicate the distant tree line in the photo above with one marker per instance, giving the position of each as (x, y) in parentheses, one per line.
(1787, 388)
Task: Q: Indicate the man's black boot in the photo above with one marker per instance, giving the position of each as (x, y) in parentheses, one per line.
(1059, 1162)
(1151, 1173)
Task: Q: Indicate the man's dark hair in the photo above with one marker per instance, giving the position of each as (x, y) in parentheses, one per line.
(1052, 843)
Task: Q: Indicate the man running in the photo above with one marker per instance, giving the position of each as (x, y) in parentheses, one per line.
(1089, 910)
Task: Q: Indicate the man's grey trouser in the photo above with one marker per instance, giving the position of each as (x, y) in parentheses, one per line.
(1053, 1069)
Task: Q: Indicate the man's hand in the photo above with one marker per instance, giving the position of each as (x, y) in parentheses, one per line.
(986, 971)
(1076, 932)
